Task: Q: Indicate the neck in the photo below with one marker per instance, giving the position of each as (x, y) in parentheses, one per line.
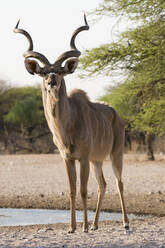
(58, 115)
(62, 107)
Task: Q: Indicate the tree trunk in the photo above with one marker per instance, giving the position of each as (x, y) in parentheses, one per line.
(149, 141)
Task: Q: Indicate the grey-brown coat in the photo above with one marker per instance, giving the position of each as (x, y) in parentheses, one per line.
(82, 130)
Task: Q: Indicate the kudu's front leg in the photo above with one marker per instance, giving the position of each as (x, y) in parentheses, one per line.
(84, 175)
(71, 172)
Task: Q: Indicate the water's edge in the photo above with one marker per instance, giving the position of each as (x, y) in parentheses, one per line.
(21, 217)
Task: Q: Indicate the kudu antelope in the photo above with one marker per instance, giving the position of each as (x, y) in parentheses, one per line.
(82, 130)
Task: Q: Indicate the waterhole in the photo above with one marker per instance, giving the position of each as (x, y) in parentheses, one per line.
(21, 217)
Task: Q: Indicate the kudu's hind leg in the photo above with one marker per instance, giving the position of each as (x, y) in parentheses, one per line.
(98, 173)
(117, 163)
(84, 175)
(71, 172)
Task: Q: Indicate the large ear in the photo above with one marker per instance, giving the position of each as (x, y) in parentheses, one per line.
(70, 65)
(32, 67)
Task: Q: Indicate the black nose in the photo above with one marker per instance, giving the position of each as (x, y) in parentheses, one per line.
(53, 83)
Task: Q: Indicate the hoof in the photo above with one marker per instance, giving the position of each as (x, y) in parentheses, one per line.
(71, 230)
(93, 228)
(126, 226)
(85, 230)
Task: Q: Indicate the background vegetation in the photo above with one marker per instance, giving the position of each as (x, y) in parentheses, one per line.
(23, 127)
(138, 56)
(21, 106)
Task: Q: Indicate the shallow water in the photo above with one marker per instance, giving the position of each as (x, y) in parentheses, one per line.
(16, 217)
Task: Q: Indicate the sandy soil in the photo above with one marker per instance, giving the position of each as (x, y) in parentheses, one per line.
(39, 181)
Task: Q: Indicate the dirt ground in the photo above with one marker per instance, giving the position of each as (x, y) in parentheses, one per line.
(39, 181)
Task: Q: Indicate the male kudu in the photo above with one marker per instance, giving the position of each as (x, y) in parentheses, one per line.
(82, 130)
